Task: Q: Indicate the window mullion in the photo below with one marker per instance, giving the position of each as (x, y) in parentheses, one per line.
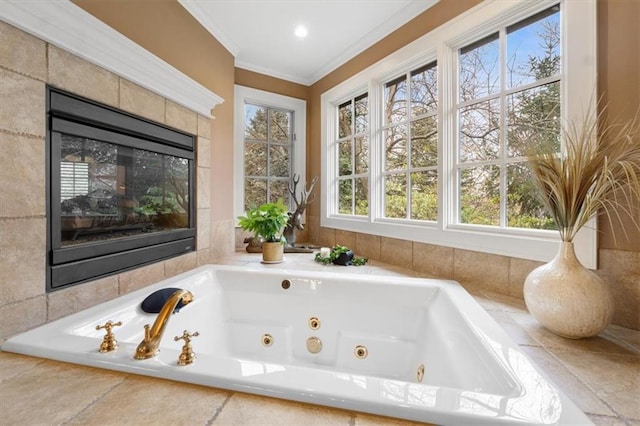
(503, 128)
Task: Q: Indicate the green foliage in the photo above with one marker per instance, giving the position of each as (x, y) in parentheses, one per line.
(267, 221)
(336, 251)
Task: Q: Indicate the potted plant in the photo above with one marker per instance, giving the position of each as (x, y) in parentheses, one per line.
(268, 222)
(598, 171)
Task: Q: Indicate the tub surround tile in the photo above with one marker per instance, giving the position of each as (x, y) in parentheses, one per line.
(181, 118)
(203, 220)
(313, 226)
(76, 75)
(141, 277)
(433, 260)
(347, 239)
(22, 248)
(53, 392)
(396, 252)
(222, 238)
(23, 188)
(612, 377)
(15, 365)
(486, 270)
(23, 104)
(154, 402)
(362, 419)
(22, 316)
(599, 420)
(180, 264)
(518, 271)
(368, 246)
(22, 52)
(205, 257)
(516, 332)
(621, 270)
(140, 101)
(74, 299)
(246, 409)
(567, 382)
(327, 237)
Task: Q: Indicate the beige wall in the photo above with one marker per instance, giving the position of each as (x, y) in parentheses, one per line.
(26, 65)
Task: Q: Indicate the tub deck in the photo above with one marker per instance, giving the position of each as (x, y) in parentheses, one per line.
(232, 406)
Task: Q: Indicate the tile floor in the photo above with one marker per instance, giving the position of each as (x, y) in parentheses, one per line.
(602, 375)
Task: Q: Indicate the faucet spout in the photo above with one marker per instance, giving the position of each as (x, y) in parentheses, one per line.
(148, 348)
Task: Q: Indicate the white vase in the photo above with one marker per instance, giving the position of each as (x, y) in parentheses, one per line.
(567, 298)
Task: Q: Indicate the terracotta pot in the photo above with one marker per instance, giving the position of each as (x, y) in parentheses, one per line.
(272, 252)
(567, 298)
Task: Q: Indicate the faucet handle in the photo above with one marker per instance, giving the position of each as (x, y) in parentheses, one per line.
(186, 356)
(109, 342)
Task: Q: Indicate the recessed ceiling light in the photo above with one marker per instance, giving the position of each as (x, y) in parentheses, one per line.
(301, 31)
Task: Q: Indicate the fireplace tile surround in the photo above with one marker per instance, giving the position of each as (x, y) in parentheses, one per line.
(27, 64)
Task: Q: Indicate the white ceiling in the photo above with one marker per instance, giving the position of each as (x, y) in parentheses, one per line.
(260, 33)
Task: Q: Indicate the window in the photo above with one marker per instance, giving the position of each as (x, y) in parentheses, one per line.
(451, 118)
(508, 99)
(411, 145)
(353, 156)
(268, 149)
(270, 137)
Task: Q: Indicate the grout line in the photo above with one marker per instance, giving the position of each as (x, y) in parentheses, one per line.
(95, 401)
(219, 409)
(37, 362)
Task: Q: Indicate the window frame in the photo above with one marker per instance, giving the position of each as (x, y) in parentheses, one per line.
(578, 27)
(244, 95)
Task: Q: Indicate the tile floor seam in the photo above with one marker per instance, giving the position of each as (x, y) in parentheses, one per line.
(40, 361)
(586, 385)
(219, 409)
(96, 400)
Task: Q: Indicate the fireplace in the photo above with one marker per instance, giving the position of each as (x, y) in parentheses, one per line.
(120, 190)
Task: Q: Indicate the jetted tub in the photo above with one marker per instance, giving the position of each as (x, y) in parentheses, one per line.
(377, 334)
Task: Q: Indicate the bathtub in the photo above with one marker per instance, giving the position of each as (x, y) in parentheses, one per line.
(416, 349)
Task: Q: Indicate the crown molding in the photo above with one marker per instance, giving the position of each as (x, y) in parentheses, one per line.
(69, 27)
(195, 9)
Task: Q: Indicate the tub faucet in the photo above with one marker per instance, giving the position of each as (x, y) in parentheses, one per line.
(153, 335)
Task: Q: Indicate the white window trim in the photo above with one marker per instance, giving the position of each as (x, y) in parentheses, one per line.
(243, 95)
(579, 72)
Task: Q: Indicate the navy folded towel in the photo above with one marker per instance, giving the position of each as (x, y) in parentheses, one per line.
(154, 302)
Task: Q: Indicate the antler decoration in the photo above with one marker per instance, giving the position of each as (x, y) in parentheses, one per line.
(304, 195)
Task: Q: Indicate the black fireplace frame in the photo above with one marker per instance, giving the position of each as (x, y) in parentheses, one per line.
(68, 113)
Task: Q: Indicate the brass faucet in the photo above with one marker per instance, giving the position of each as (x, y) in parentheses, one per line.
(148, 348)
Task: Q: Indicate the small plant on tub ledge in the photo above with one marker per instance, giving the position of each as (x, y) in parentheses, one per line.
(340, 255)
(268, 221)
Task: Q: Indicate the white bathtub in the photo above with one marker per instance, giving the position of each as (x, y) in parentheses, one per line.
(473, 373)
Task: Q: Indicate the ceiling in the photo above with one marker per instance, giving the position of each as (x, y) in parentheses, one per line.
(260, 33)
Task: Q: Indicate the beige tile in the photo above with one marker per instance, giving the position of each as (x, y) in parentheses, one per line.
(485, 270)
(204, 126)
(203, 222)
(518, 271)
(516, 332)
(345, 238)
(625, 336)
(81, 77)
(22, 52)
(613, 378)
(313, 226)
(52, 393)
(12, 365)
(621, 270)
(599, 420)
(203, 188)
(22, 316)
(203, 152)
(141, 101)
(567, 382)
(141, 277)
(205, 257)
(598, 344)
(396, 252)
(22, 259)
(180, 264)
(368, 246)
(362, 419)
(245, 409)
(326, 237)
(154, 402)
(222, 238)
(77, 298)
(22, 176)
(181, 118)
(433, 260)
(23, 104)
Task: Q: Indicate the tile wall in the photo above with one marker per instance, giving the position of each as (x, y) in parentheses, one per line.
(27, 64)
